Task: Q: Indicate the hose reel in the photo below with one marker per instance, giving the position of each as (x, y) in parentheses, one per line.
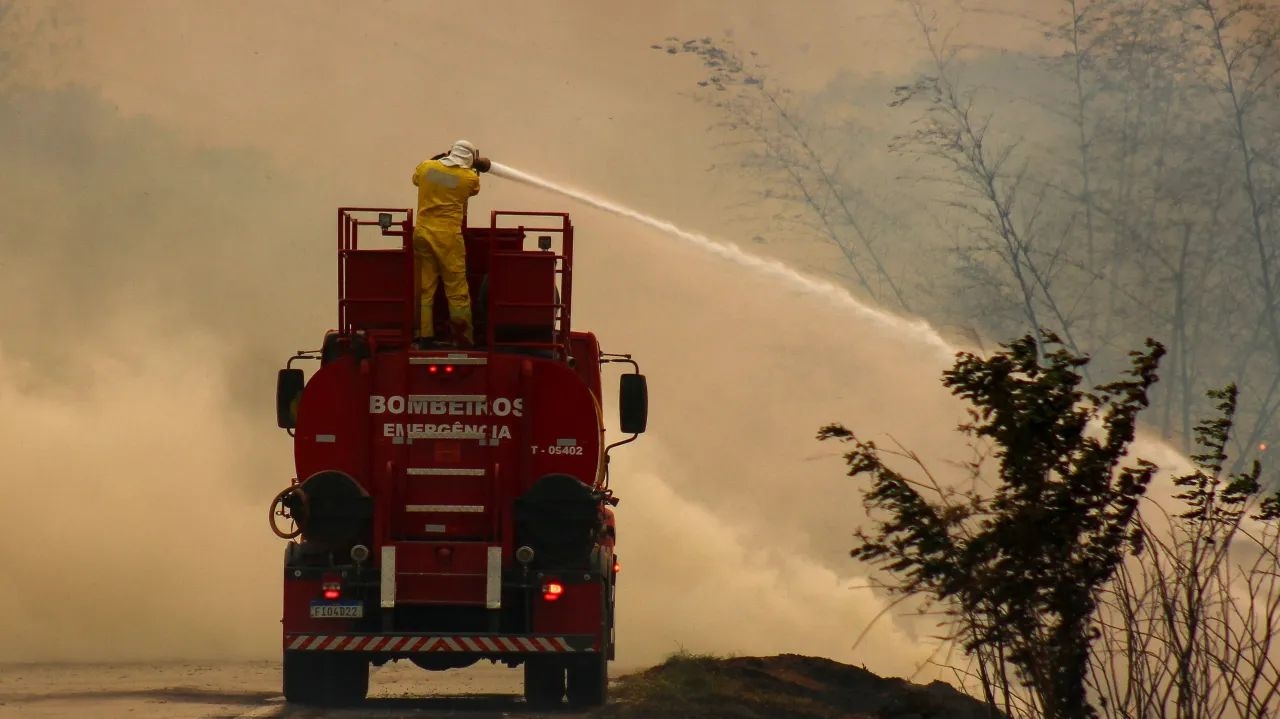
(329, 509)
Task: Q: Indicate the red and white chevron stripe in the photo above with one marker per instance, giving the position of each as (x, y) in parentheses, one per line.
(401, 643)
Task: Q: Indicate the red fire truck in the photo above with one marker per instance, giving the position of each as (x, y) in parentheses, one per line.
(452, 505)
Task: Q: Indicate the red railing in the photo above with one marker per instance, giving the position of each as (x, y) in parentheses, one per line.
(375, 286)
(550, 224)
(377, 291)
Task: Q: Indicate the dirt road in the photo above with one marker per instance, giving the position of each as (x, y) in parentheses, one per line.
(246, 690)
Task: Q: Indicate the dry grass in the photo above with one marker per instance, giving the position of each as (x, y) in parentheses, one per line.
(701, 686)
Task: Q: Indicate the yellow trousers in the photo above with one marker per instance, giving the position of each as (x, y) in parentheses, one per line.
(442, 257)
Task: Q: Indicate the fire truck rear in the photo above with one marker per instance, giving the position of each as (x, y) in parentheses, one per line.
(452, 505)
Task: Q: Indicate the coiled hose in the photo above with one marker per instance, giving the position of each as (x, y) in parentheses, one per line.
(292, 504)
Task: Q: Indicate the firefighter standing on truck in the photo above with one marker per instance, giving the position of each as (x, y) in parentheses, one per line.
(445, 184)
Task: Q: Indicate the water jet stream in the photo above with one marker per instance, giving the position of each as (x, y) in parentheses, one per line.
(914, 328)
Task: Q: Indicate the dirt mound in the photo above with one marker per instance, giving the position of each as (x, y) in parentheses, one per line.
(780, 687)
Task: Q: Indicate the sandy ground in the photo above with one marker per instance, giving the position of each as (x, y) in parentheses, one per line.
(245, 690)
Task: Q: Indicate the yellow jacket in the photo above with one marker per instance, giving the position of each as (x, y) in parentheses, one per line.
(443, 192)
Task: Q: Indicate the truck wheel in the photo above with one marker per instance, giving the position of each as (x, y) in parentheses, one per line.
(322, 680)
(543, 683)
(303, 678)
(350, 680)
(589, 680)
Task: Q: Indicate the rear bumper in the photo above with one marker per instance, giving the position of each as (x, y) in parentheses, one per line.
(474, 644)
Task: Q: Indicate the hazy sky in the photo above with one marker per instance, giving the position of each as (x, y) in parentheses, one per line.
(355, 91)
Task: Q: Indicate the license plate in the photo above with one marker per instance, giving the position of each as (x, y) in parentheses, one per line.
(337, 610)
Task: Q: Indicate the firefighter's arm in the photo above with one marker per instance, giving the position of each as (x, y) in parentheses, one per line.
(475, 190)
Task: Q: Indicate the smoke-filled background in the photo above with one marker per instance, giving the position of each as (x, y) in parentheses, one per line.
(169, 178)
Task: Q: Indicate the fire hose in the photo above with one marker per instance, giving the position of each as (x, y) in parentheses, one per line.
(292, 504)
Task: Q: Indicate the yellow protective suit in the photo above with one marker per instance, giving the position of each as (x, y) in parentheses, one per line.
(438, 248)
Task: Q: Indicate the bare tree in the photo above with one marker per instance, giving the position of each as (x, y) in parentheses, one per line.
(1192, 623)
(1154, 242)
(775, 139)
(1140, 201)
(991, 184)
(1243, 39)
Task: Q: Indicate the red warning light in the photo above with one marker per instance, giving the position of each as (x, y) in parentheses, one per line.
(433, 369)
(552, 591)
(617, 567)
(448, 369)
(330, 586)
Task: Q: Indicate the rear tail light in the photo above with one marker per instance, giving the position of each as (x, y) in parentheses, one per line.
(330, 587)
(551, 591)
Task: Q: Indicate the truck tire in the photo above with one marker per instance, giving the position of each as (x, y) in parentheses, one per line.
(589, 680)
(588, 684)
(543, 683)
(325, 680)
(303, 678)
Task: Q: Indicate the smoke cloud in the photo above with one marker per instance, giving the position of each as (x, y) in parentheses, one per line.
(127, 535)
(168, 243)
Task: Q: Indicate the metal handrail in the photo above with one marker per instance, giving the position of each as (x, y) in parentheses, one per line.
(349, 241)
(564, 268)
(350, 223)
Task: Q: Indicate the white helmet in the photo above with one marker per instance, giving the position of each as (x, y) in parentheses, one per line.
(462, 154)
